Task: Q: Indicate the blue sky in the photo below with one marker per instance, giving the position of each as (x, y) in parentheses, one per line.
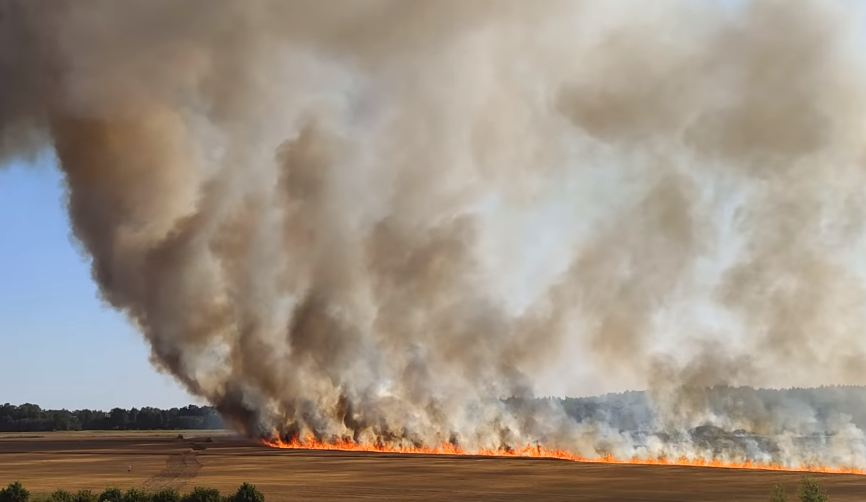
(60, 345)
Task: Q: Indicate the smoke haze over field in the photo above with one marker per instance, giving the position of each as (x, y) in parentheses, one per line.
(378, 219)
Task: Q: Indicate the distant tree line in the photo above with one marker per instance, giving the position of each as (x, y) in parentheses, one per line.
(31, 418)
(633, 410)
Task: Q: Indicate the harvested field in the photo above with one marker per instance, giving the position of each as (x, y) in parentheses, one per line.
(94, 460)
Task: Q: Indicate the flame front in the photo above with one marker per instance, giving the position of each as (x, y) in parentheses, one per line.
(538, 451)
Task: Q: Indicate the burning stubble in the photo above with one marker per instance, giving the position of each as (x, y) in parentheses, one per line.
(391, 223)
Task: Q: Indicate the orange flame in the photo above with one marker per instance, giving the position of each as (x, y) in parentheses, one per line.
(310, 443)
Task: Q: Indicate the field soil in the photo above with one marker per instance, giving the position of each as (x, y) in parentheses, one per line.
(94, 460)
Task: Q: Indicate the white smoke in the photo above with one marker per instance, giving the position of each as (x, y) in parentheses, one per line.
(378, 220)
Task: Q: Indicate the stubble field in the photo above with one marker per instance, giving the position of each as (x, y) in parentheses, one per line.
(151, 460)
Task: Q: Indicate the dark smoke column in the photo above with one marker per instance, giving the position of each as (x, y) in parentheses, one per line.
(378, 221)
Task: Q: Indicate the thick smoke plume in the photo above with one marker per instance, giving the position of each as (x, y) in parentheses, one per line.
(394, 221)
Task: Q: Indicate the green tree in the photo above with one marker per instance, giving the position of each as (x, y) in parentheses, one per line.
(28, 410)
(811, 491)
(778, 494)
(248, 493)
(199, 494)
(118, 418)
(111, 495)
(15, 492)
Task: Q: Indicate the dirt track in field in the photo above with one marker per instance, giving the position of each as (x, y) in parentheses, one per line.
(47, 461)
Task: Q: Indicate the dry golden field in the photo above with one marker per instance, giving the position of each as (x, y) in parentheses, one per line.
(94, 460)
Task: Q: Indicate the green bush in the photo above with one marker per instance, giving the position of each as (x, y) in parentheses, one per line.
(14, 493)
(811, 491)
(135, 495)
(166, 495)
(111, 495)
(248, 493)
(84, 496)
(60, 496)
(200, 494)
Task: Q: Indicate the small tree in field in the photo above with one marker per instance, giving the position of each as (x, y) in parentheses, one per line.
(811, 491)
(778, 494)
(14, 493)
(248, 493)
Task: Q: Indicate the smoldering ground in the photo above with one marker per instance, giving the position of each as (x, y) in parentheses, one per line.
(378, 220)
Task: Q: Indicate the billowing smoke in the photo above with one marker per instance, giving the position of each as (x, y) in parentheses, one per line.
(396, 221)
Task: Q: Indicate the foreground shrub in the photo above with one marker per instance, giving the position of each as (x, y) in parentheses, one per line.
(111, 495)
(811, 491)
(84, 496)
(80, 496)
(166, 495)
(60, 496)
(248, 493)
(135, 495)
(14, 493)
(199, 494)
